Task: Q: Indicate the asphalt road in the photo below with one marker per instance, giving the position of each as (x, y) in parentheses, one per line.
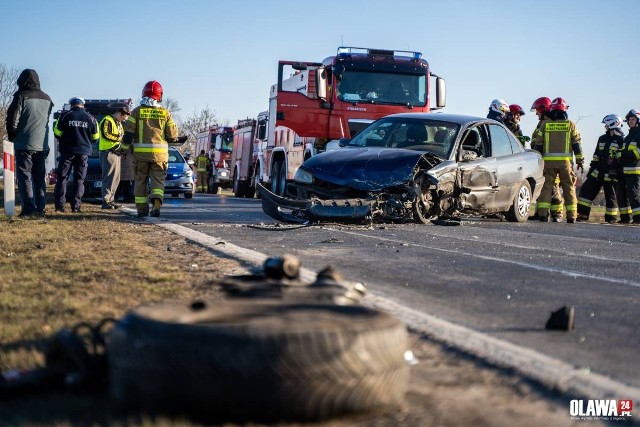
(497, 278)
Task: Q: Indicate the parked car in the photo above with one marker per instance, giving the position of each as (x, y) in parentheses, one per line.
(180, 178)
(414, 167)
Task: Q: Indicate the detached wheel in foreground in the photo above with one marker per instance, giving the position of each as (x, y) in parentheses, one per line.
(519, 211)
(258, 360)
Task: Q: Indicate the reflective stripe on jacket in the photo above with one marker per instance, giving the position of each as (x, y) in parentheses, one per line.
(111, 133)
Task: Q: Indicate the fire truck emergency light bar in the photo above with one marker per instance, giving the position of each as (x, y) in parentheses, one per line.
(348, 51)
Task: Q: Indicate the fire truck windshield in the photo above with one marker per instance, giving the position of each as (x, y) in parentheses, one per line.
(382, 88)
(224, 143)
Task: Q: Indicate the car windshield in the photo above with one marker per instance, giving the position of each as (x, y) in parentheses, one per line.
(382, 88)
(175, 156)
(435, 136)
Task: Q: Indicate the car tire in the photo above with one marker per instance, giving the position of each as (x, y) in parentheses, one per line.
(275, 178)
(188, 195)
(519, 211)
(258, 359)
(421, 205)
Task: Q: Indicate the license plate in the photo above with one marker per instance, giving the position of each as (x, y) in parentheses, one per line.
(169, 184)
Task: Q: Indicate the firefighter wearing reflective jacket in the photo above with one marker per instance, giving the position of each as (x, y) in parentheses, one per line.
(203, 166)
(628, 188)
(559, 140)
(541, 107)
(150, 129)
(602, 172)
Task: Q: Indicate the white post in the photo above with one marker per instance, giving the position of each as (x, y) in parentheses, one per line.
(9, 178)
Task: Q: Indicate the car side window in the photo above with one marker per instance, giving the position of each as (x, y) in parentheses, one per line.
(500, 141)
(474, 141)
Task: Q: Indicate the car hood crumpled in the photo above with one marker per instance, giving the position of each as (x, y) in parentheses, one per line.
(365, 169)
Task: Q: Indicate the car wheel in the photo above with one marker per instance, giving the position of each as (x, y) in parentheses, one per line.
(423, 204)
(519, 211)
(188, 195)
(256, 181)
(258, 359)
(238, 188)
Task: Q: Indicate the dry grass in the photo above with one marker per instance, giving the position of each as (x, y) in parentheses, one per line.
(67, 268)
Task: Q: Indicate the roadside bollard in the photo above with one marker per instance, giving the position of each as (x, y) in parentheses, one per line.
(9, 178)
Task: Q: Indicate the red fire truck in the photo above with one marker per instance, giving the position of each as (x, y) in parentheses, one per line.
(249, 140)
(217, 143)
(320, 103)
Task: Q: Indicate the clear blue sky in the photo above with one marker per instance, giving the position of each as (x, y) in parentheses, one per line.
(223, 54)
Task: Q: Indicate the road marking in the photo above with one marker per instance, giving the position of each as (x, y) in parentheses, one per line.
(529, 363)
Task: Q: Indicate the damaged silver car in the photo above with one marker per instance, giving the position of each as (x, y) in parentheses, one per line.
(414, 167)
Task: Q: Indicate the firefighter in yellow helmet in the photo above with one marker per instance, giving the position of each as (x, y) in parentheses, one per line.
(559, 141)
(150, 128)
(203, 166)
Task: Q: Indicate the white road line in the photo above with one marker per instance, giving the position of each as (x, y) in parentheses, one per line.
(549, 371)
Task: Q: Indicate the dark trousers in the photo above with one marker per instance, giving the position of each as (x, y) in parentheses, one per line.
(32, 187)
(68, 163)
(590, 189)
(628, 193)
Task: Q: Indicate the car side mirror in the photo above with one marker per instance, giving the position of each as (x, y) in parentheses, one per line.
(468, 155)
(343, 142)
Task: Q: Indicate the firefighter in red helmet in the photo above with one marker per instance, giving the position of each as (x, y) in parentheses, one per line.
(553, 137)
(150, 128)
(541, 107)
(512, 121)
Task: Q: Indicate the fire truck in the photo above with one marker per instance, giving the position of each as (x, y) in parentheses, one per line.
(249, 139)
(314, 105)
(217, 143)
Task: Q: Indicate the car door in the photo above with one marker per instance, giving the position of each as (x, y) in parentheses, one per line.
(477, 169)
(510, 159)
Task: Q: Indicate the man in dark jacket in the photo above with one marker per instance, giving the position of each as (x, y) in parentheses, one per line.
(76, 131)
(28, 128)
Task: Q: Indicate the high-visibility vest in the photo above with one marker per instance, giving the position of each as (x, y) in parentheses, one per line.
(111, 133)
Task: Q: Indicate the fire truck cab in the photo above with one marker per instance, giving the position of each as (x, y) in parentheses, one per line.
(313, 105)
(217, 143)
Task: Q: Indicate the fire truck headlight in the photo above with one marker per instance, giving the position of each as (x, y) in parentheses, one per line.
(303, 176)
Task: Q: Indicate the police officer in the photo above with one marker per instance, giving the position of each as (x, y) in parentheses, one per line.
(601, 174)
(111, 133)
(203, 166)
(512, 121)
(541, 108)
(629, 158)
(76, 131)
(554, 136)
(497, 110)
(150, 128)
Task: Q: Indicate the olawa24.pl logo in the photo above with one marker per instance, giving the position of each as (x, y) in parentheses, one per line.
(608, 409)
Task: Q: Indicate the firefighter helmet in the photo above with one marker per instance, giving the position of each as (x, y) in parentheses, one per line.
(516, 109)
(499, 106)
(558, 104)
(633, 113)
(541, 105)
(612, 121)
(152, 89)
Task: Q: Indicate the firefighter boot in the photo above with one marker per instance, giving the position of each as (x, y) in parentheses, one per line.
(155, 210)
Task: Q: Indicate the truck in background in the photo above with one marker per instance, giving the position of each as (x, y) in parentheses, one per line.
(321, 103)
(217, 143)
(98, 108)
(249, 139)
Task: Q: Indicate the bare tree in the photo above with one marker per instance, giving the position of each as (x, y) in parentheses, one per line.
(171, 104)
(198, 121)
(8, 78)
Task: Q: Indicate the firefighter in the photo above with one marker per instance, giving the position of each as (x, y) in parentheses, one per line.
(629, 160)
(512, 121)
(497, 110)
(203, 166)
(541, 107)
(559, 141)
(150, 128)
(601, 173)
